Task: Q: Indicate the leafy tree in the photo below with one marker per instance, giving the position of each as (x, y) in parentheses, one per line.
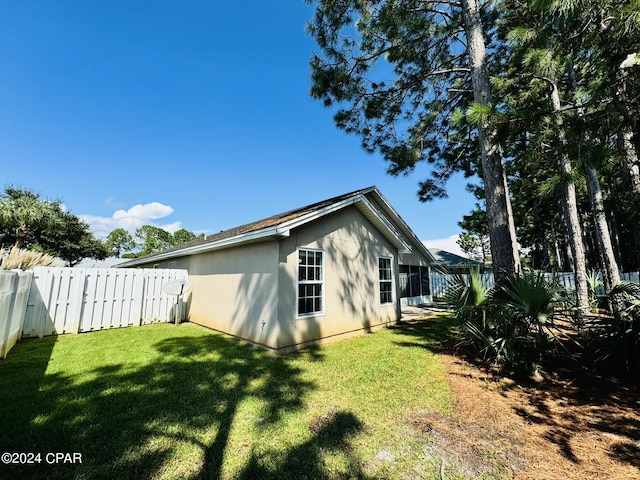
(474, 241)
(71, 239)
(184, 236)
(148, 239)
(152, 239)
(119, 241)
(44, 225)
(437, 108)
(474, 246)
(23, 214)
(470, 245)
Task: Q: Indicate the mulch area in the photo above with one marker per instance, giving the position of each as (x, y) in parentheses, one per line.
(574, 424)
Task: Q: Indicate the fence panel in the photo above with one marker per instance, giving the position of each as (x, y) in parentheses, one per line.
(73, 300)
(440, 281)
(630, 277)
(14, 293)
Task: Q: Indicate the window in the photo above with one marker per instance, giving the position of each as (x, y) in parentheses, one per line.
(414, 281)
(310, 282)
(385, 278)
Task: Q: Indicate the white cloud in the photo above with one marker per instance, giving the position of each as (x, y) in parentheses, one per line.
(150, 211)
(172, 227)
(448, 244)
(131, 219)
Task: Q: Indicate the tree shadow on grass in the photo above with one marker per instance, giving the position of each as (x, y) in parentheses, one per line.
(21, 375)
(171, 418)
(331, 435)
(429, 333)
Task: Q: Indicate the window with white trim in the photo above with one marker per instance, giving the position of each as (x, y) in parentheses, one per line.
(310, 282)
(385, 278)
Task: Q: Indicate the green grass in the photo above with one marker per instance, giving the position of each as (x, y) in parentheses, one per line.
(184, 402)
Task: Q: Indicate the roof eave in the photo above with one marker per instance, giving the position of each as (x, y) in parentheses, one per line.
(283, 230)
(404, 226)
(365, 207)
(257, 236)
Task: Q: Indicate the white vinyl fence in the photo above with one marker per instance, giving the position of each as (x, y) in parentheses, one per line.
(14, 293)
(74, 300)
(440, 281)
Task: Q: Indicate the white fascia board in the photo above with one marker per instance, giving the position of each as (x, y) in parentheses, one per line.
(279, 231)
(382, 223)
(365, 206)
(283, 230)
(297, 222)
(403, 225)
(271, 232)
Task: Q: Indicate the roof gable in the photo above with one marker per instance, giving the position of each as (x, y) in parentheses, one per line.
(280, 225)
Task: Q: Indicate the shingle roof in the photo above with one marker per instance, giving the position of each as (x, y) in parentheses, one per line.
(264, 223)
(451, 260)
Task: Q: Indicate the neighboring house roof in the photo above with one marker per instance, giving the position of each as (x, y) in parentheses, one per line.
(108, 262)
(280, 226)
(448, 260)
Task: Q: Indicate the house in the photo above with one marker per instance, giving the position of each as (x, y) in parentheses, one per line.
(452, 263)
(336, 268)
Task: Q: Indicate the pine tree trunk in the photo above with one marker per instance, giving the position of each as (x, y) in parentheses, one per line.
(570, 207)
(610, 272)
(608, 263)
(502, 232)
(630, 163)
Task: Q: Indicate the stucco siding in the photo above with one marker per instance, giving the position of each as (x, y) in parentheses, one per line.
(235, 290)
(351, 246)
(413, 258)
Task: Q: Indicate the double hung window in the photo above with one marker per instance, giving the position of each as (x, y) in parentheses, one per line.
(385, 278)
(310, 282)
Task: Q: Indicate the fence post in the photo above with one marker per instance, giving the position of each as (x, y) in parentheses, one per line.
(138, 303)
(46, 294)
(76, 308)
(8, 288)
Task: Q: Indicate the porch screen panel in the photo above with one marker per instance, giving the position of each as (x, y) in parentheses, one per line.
(424, 280)
(414, 281)
(404, 281)
(414, 275)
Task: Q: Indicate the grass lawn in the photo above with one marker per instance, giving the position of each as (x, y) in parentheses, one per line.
(172, 402)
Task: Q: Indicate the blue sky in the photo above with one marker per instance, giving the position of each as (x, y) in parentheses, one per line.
(181, 114)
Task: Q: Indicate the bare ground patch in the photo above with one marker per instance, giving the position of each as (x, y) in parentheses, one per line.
(573, 425)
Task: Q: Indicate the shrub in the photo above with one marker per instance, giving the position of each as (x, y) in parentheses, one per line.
(618, 344)
(467, 294)
(513, 324)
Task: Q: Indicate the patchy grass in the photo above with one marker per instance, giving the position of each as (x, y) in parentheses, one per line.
(184, 402)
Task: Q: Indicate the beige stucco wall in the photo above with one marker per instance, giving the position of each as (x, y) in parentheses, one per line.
(250, 291)
(235, 290)
(413, 258)
(351, 246)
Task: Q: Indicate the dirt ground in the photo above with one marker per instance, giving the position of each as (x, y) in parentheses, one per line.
(572, 425)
